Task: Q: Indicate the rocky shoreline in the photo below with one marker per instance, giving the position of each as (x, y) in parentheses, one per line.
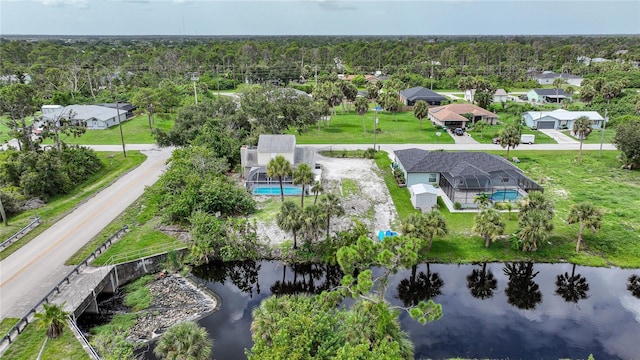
(175, 299)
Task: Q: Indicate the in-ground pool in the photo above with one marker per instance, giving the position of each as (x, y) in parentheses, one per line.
(275, 190)
(505, 195)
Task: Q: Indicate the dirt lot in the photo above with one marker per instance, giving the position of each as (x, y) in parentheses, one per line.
(367, 198)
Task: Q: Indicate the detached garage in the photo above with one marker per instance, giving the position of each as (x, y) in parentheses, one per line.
(423, 196)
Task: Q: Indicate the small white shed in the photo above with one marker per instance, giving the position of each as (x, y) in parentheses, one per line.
(423, 196)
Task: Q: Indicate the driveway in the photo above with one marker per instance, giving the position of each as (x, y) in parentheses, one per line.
(464, 139)
(558, 136)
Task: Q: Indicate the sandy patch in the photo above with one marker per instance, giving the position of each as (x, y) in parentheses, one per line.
(370, 204)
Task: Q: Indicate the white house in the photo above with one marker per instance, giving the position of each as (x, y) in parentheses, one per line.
(559, 119)
(548, 77)
(500, 96)
(94, 116)
(423, 196)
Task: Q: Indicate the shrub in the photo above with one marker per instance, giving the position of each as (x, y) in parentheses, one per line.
(457, 205)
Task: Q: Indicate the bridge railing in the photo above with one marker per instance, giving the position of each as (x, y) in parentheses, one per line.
(20, 233)
(24, 321)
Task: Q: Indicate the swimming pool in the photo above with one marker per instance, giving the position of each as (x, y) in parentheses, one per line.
(505, 195)
(275, 190)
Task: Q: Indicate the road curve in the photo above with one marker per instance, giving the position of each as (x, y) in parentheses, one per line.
(31, 272)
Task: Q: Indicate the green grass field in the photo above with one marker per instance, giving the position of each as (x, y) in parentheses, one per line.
(486, 134)
(28, 344)
(596, 136)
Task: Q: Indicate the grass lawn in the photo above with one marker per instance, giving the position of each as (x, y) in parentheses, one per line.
(596, 179)
(115, 166)
(135, 131)
(400, 128)
(596, 136)
(28, 344)
(489, 132)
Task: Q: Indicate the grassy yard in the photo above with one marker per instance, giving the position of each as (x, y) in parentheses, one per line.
(135, 131)
(400, 128)
(115, 166)
(596, 179)
(596, 136)
(28, 344)
(485, 135)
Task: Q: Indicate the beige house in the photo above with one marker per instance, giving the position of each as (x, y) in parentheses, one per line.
(452, 115)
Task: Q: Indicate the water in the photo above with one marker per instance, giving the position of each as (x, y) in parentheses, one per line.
(275, 190)
(522, 317)
(505, 195)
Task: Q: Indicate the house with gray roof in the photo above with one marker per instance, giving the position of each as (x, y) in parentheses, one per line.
(548, 77)
(464, 175)
(410, 96)
(95, 117)
(560, 119)
(541, 96)
(254, 159)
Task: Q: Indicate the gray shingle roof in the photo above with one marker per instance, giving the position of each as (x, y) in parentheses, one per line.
(85, 112)
(462, 163)
(550, 92)
(276, 143)
(421, 93)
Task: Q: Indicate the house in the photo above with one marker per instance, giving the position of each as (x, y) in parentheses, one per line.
(95, 117)
(559, 119)
(127, 107)
(548, 77)
(555, 96)
(500, 96)
(423, 196)
(453, 115)
(410, 96)
(463, 175)
(254, 160)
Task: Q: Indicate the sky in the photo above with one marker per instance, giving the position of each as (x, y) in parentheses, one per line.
(319, 17)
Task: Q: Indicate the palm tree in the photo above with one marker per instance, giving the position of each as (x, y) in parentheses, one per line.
(330, 206)
(420, 111)
(510, 138)
(481, 283)
(435, 224)
(572, 287)
(54, 319)
(279, 168)
(289, 219)
(316, 188)
(535, 220)
(482, 200)
(557, 84)
(362, 106)
(303, 176)
(184, 341)
(310, 220)
(489, 224)
(588, 216)
(581, 129)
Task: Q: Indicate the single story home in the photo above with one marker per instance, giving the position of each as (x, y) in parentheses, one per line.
(500, 96)
(452, 115)
(128, 107)
(464, 175)
(95, 117)
(423, 196)
(410, 96)
(254, 159)
(548, 77)
(560, 119)
(538, 96)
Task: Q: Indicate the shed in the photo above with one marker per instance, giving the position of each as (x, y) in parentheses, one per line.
(423, 196)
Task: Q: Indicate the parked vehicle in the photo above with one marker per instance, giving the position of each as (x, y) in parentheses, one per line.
(458, 131)
(495, 140)
(527, 138)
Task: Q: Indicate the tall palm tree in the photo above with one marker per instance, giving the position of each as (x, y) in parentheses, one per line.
(316, 188)
(362, 106)
(557, 84)
(588, 216)
(279, 168)
(53, 319)
(482, 200)
(184, 341)
(289, 219)
(535, 220)
(330, 206)
(482, 283)
(435, 224)
(311, 218)
(581, 129)
(489, 224)
(510, 138)
(420, 111)
(303, 176)
(572, 287)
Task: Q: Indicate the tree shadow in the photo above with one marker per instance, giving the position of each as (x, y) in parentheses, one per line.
(482, 283)
(522, 292)
(419, 287)
(572, 288)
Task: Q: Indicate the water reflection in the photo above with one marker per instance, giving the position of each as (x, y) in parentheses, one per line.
(572, 288)
(307, 279)
(242, 274)
(420, 287)
(521, 290)
(633, 285)
(482, 283)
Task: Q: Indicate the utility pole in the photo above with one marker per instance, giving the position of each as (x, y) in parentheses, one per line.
(124, 150)
(604, 126)
(195, 78)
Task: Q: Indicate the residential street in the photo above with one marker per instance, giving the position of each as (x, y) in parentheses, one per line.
(32, 271)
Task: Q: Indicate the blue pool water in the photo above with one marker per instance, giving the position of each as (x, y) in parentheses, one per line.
(505, 195)
(275, 190)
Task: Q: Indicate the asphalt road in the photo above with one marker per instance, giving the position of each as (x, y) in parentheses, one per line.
(31, 272)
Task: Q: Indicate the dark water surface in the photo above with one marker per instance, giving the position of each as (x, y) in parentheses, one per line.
(517, 312)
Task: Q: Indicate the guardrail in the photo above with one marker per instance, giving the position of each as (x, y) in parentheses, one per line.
(93, 354)
(24, 321)
(142, 253)
(22, 232)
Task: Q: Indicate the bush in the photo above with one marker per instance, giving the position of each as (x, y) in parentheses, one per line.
(457, 205)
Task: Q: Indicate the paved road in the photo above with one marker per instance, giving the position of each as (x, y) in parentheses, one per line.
(32, 271)
(460, 147)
